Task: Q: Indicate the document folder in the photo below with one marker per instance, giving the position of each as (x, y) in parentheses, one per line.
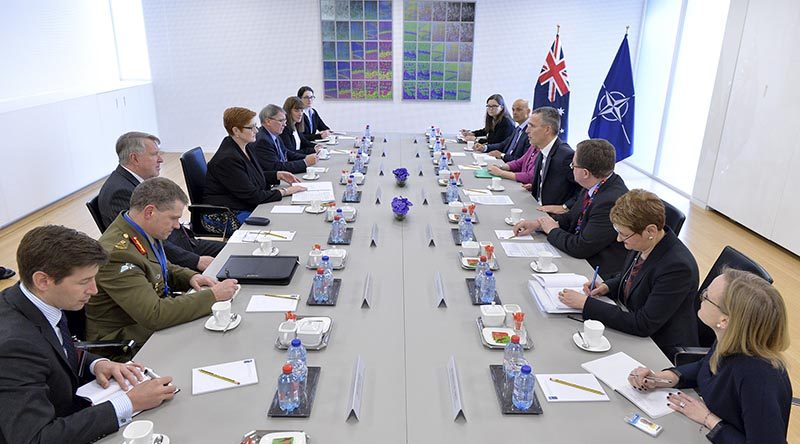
(265, 270)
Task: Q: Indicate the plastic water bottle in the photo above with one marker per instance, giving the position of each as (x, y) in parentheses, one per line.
(288, 389)
(480, 275)
(367, 134)
(350, 191)
(327, 268)
(338, 228)
(358, 164)
(487, 287)
(432, 133)
(522, 398)
(513, 358)
(437, 146)
(464, 214)
(451, 194)
(443, 162)
(340, 212)
(297, 358)
(465, 232)
(319, 291)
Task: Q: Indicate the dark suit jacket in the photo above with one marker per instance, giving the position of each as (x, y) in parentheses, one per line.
(37, 385)
(559, 185)
(305, 147)
(500, 132)
(597, 241)
(267, 155)
(661, 301)
(517, 151)
(181, 247)
(319, 125)
(236, 182)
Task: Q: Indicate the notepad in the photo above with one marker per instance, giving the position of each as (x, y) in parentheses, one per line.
(262, 303)
(490, 200)
(614, 370)
(287, 209)
(243, 372)
(96, 394)
(557, 392)
(528, 249)
(545, 288)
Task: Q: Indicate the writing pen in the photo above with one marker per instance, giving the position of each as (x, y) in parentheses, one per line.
(575, 318)
(594, 279)
(282, 296)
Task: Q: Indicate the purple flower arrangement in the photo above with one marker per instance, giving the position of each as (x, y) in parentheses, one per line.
(400, 207)
(400, 175)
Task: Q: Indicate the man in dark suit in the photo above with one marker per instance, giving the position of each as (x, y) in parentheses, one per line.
(552, 184)
(313, 126)
(586, 232)
(268, 148)
(517, 143)
(40, 369)
(139, 160)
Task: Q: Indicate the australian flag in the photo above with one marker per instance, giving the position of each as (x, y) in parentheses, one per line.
(613, 112)
(552, 86)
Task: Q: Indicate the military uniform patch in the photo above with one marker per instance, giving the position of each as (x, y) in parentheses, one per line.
(126, 266)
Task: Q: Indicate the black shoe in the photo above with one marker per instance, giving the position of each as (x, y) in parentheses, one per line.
(6, 273)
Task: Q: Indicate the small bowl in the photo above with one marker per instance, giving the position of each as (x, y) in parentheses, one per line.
(470, 248)
(310, 333)
(493, 315)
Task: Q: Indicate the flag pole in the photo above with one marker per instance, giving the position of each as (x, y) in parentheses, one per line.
(558, 29)
(626, 29)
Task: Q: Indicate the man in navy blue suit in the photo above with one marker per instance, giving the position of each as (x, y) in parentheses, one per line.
(268, 148)
(517, 143)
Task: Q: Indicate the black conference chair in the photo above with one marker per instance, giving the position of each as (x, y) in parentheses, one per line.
(77, 326)
(731, 258)
(674, 217)
(94, 209)
(194, 166)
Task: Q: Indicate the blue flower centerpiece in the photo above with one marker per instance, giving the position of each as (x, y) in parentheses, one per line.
(400, 207)
(400, 175)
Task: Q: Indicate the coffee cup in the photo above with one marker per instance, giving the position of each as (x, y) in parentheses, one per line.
(138, 432)
(323, 153)
(287, 331)
(455, 207)
(265, 244)
(593, 332)
(470, 248)
(470, 144)
(544, 260)
(316, 204)
(332, 139)
(496, 183)
(515, 215)
(222, 312)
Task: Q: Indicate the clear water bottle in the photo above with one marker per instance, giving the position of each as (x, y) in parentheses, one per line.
(297, 358)
(464, 214)
(465, 232)
(350, 191)
(358, 164)
(432, 132)
(513, 358)
(487, 287)
(437, 145)
(451, 193)
(480, 275)
(288, 390)
(338, 229)
(522, 398)
(327, 268)
(442, 163)
(319, 292)
(367, 133)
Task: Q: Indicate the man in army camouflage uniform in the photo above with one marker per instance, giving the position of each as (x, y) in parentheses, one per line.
(137, 287)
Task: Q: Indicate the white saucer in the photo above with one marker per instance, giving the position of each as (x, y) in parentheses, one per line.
(576, 338)
(273, 252)
(324, 157)
(211, 324)
(551, 269)
(501, 188)
(314, 177)
(164, 438)
(308, 209)
(508, 221)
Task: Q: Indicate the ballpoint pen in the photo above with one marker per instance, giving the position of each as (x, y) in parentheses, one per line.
(594, 279)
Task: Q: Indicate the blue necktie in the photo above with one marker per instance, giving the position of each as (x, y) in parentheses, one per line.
(279, 147)
(510, 148)
(310, 121)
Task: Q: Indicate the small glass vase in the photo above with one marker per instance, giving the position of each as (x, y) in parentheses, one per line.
(401, 183)
(398, 216)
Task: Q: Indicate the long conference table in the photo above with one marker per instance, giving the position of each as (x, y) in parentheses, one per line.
(404, 338)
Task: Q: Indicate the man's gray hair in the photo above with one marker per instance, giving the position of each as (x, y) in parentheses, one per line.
(550, 117)
(269, 112)
(158, 191)
(133, 142)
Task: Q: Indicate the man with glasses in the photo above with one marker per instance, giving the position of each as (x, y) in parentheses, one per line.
(268, 148)
(586, 232)
(314, 128)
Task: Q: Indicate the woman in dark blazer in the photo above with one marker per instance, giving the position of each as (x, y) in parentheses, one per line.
(658, 283)
(498, 126)
(234, 179)
(292, 135)
(314, 128)
(747, 394)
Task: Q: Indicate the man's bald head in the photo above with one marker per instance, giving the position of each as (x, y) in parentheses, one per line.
(520, 111)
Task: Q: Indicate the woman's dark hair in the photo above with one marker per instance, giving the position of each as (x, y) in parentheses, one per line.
(303, 90)
(491, 122)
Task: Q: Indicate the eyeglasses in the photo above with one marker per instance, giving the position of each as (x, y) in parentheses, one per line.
(492, 106)
(282, 121)
(309, 97)
(251, 128)
(572, 166)
(618, 233)
(704, 297)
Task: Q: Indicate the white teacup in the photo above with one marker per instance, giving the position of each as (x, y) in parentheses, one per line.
(323, 153)
(544, 260)
(265, 244)
(222, 313)
(455, 207)
(470, 248)
(138, 432)
(593, 332)
(316, 204)
(470, 144)
(496, 183)
(515, 215)
(287, 332)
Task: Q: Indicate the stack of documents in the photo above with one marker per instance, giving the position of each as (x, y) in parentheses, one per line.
(545, 289)
(322, 191)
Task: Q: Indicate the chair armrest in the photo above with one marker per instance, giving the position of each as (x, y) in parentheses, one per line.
(687, 355)
(124, 344)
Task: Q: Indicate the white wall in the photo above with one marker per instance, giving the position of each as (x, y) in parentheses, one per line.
(208, 55)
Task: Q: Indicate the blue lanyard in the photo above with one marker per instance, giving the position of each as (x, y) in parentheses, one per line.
(159, 252)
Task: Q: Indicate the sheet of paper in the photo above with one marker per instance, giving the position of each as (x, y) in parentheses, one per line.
(458, 154)
(491, 200)
(528, 249)
(262, 303)
(468, 167)
(509, 234)
(476, 191)
(317, 170)
(244, 372)
(305, 197)
(558, 392)
(246, 236)
(318, 186)
(287, 209)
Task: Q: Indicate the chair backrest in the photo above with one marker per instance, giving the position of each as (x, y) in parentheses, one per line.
(94, 209)
(674, 217)
(194, 167)
(731, 258)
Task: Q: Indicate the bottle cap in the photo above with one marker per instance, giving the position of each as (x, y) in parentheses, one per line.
(514, 340)
(337, 217)
(326, 258)
(317, 247)
(295, 342)
(468, 219)
(463, 210)
(489, 273)
(483, 258)
(349, 181)
(320, 270)
(339, 210)
(287, 369)
(526, 369)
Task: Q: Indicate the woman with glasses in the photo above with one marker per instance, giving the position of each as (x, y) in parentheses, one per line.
(746, 391)
(658, 282)
(234, 178)
(498, 126)
(292, 135)
(313, 126)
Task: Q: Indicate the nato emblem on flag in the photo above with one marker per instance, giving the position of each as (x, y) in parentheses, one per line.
(613, 114)
(552, 86)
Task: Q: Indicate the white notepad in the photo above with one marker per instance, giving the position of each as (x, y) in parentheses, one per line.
(243, 372)
(287, 209)
(528, 249)
(557, 392)
(262, 303)
(614, 370)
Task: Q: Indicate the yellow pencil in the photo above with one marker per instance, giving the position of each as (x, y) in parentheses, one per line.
(206, 372)
(590, 390)
(270, 233)
(283, 296)
(473, 190)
